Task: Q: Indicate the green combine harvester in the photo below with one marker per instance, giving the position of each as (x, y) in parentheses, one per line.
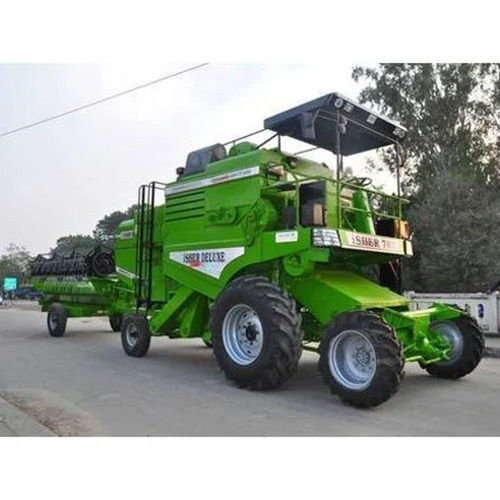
(262, 254)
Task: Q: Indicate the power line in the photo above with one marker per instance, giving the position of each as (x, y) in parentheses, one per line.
(94, 103)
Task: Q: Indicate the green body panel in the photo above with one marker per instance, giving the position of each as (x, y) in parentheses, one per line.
(193, 318)
(125, 247)
(162, 320)
(264, 250)
(80, 298)
(362, 219)
(326, 293)
(54, 286)
(85, 297)
(419, 341)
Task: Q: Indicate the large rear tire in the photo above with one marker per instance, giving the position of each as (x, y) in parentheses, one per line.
(57, 319)
(256, 333)
(467, 347)
(136, 336)
(361, 359)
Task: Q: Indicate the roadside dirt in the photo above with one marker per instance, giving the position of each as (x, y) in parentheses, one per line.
(57, 415)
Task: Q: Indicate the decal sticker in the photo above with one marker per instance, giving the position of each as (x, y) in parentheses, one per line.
(211, 261)
(124, 272)
(372, 243)
(218, 179)
(371, 119)
(287, 237)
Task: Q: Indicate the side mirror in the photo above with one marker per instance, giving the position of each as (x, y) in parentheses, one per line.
(179, 171)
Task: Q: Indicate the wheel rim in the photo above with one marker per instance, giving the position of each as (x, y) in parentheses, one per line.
(242, 334)
(453, 335)
(131, 334)
(352, 359)
(53, 320)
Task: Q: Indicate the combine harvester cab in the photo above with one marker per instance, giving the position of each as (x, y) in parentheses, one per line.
(263, 253)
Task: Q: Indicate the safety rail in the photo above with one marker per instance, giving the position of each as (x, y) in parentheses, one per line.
(393, 202)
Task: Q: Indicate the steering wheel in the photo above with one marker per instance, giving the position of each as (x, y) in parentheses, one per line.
(360, 181)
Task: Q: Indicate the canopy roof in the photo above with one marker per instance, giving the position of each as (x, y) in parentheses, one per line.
(315, 123)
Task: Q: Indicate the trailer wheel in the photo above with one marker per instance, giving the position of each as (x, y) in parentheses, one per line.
(361, 359)
(136, 336)
(467, 347)
(57, 318)
(115, 322)
(256, 333)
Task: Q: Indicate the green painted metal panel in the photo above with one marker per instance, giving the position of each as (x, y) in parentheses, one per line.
(327, 292)
(159, 322)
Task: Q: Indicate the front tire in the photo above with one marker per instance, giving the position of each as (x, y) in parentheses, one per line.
(256, 333)
(467, 347)
(361, 359)
(57, 318)
(136, 336)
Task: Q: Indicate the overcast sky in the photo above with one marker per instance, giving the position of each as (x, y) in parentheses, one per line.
(61, 177)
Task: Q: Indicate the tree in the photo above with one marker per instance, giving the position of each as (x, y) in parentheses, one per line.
(15, 263)
(450, 162)
(451, 111)
(106, 228)
(456, 237)
(71, 243)
(104, 232)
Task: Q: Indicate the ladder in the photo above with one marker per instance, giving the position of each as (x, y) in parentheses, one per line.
(145, 244)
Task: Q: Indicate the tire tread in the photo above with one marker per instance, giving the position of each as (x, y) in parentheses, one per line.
(390, 362)
(286, 328)
(144, 336)
(60, 310)
(473, 351)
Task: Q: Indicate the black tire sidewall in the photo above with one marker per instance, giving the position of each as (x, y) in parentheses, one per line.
(141, 347)
(229, 300)
(471, 355)
(282, 334)
(390, 362)
(59, 311)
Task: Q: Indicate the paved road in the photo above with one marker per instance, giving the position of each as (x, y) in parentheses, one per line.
(83, 384)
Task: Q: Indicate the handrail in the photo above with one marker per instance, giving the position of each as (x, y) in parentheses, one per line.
(373, 191)
(299, 177)
(380, 214)
(345, 183)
